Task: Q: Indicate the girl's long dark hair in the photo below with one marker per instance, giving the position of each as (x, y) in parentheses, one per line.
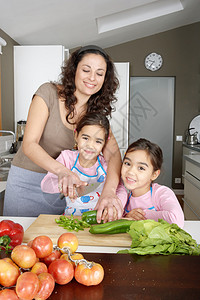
(153, 150)
(94, 119)
(101, 102)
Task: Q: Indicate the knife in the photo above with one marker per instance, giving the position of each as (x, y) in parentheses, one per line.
(84, 190)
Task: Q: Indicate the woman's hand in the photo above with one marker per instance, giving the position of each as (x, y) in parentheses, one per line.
(70, 185)
(109, 208)
(136, 214)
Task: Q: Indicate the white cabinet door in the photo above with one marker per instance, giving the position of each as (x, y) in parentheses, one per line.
(33, 65)
(119, 120)
(186, 151)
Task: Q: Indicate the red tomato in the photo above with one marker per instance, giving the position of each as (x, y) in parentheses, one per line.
(89, 276)
(8, 273)
(39, 267)
(11, 262)
(30, 243)
(8, 294)
(27, 286)
(69, 240)
(74, 256)
(42, 245)
(61, 270)
(46, 286)
(23, 256)
(51, 257)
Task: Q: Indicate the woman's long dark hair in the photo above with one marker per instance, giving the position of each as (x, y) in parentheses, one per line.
(97, 103)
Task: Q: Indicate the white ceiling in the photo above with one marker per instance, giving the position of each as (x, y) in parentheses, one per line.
(72, 23)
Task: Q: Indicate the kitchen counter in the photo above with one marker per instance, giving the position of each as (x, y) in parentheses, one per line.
(192, 147)
(136, 277)
(192, 227)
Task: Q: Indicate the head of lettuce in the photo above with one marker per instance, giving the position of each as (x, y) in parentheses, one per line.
(151, 237)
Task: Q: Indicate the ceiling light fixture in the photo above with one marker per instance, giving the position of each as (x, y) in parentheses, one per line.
(138, 14)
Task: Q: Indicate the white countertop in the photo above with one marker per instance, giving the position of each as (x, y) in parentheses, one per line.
(192, 227)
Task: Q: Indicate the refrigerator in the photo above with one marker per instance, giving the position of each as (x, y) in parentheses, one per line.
(33, 66)
(120, 117)
(152, 117)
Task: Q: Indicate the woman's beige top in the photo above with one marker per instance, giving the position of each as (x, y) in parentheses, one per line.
(56, 136)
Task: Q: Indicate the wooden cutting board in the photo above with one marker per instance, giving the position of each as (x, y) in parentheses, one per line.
(46, 225)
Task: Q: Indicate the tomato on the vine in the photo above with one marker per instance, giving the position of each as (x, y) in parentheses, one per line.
(24, 256)
(8, 294)
(51, 257)
(74, 256)
(8, 273)
(68, 240)
(39, 267)
(89, 275)
(42, 245)
(46, 286)
(27, 286)
(61, 270)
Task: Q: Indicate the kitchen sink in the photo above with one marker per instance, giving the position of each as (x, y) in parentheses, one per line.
(5, 164)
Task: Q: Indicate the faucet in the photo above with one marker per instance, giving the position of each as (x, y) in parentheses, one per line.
(8, 131)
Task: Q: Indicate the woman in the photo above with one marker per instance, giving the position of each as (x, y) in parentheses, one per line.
(88, 84)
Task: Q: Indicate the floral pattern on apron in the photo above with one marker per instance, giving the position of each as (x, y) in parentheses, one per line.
(88, 201)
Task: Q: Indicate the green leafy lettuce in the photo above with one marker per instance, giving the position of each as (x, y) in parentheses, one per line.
(151, 237)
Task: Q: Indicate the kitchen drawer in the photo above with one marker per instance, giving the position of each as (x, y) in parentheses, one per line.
(187, 151)
(188, 212)
(192, 195)
(192, 169)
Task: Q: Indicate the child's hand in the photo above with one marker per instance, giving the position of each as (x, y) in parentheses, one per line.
(136, 214)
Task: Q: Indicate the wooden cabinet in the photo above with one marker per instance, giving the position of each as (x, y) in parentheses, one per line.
(187, 150)
(192, 187)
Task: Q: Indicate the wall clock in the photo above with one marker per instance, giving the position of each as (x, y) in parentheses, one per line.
(153, 61)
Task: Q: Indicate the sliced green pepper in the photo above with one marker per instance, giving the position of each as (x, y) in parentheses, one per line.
(71, 223)
(113, 227)
(90, 217)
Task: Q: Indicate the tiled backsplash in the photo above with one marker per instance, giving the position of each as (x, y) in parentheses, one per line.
(6, 143)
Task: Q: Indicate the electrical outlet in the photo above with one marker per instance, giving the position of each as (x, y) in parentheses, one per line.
(179, 138)
(177, 180)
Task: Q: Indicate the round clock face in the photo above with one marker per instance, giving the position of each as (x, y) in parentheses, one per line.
(153, 61)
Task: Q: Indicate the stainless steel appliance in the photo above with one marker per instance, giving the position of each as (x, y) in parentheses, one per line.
(20, 130)
(191, 139)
